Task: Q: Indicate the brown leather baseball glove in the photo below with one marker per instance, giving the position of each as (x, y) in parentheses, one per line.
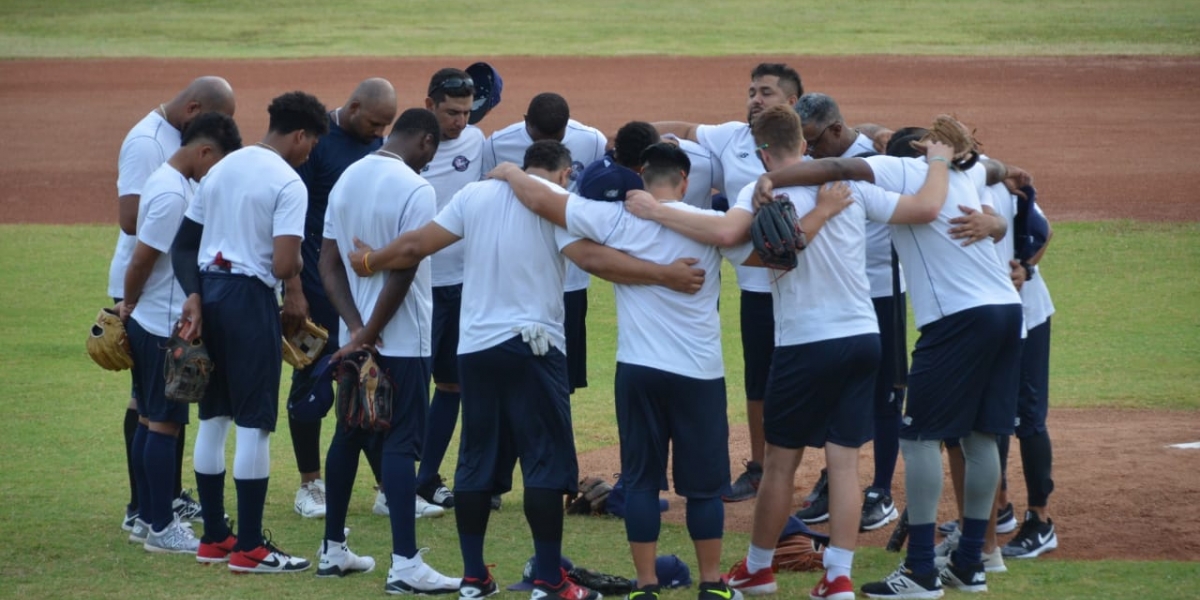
(798, 553)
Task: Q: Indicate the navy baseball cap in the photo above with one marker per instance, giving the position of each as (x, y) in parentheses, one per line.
(488, 86)
(608, 181)
(795, 526)
(527, 577)
(671, 572)
(316, 404)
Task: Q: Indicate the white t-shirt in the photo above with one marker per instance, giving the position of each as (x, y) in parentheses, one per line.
(146, 147)
(944, 277)
(827, 296)
(513, 271)
(1035, 296)
(586, 145)
(704, 177)
(732, 146)
(164, 198)
(246, 201)
(879, 239)
(457, 163)
(657, 327)
(376, 200)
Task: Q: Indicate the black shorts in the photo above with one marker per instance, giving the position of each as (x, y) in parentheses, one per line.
(575, 305)
(758, 341)
(447, 307)
(149, 358)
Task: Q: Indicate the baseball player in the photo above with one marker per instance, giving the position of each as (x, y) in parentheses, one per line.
(376, 199)
(457, 163)
(146, 147)
(511, 364)
(963, 367)
(618, 171)
(670, 385)
(732, 148)
(827, 135)
(150, 308)
(355, 129)
(239, 240)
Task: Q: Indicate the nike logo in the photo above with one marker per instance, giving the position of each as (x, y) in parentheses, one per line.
(1045, 539)
(733, 583)
(726, 593)
(979, 578)
(273, 562)
(821, 589)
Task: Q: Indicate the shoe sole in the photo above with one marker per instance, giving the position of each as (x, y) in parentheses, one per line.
(338, 572)
(1036, 552)
(208, 560)
(759, 590)
(930, 595)
(836, 596)
(1007, 526)
(432, 515)
(309, 516)
(814, 520)
(411, 591)
(161, 550)
(255, 570)
(888, 518)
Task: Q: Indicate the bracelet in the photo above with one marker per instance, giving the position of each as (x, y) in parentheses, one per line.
(367, 264)
(940, 159)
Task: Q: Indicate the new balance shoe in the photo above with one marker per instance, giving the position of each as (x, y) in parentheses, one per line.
(414, 576)
(215, 552)
(310, 499)
(993, 562)
(1035, 538)
(815, 508)
(947, 545)
(878, 509)
(127, 522)
(266, 558)
(745, 487)
(336, 560)
(647, 592)
(186, 507)
(967, 578)
(758, 583)
(426, 510)
(473, 589)
(565, 590)
(905, 585)
(381, 506)
(175, 538)
(1006, 519)
(435, 492)
(838, 589)
(139, 532)
(718, 590)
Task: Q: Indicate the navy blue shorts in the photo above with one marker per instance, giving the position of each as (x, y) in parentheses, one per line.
(1033, 398)
(656, 407)
(410, 376)
(893, 358)
(575, 305)
(822, 392)
(965, 374)
(515, 405)
(149, 356)
(758, 341)
(241, 332)
(447, 308)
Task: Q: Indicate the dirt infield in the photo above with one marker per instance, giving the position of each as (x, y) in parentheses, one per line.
(1105, 137)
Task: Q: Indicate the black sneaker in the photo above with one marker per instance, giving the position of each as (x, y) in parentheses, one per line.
(565, 590)
(1006, 520)
(967, 578)
(496, 502)
(1035, 538)
(435, 492)
(903, 583)
(717, 590)
(745, 487)
(649, 592)
(472, 588)
(878, 509)
(815, 508)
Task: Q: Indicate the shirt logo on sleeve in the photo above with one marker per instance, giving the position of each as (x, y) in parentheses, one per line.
(461, 163)
(576, 170)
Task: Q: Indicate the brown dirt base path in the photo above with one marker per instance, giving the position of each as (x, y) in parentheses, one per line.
(1120, 491)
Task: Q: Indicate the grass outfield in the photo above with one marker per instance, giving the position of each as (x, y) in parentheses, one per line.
(1123, 337)
(307, 28)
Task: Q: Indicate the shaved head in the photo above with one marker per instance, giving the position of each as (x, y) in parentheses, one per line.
(374, 92)
(212, 93)
(369, 110)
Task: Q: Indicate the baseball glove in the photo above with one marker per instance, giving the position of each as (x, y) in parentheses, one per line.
(186, 369)
(305, 345)
(950, 131)
(777, 235)
(364, 395)
(107, 344)
(593, 496)
(607, 585)
(798, 553)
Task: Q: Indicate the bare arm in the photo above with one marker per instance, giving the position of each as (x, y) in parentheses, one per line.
(286, 262)
(140, 266)
(729, 229)
(996, 171)
(924, 206)
(680, 129)
(812, 172)
(618, 267)
(337, 285)
(538, 198)
(127, 212)
(403, 252)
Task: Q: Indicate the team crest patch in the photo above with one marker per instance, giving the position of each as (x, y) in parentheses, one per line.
(743, 154)
(461, 163)
(576, 170)
(425, 169)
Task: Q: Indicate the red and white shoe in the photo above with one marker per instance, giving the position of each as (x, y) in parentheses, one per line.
(758, 583)
(215, 552)
(266, 559)
(838, 589)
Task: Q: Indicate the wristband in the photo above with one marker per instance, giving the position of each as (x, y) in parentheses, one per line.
(940, 159)
(367, 264)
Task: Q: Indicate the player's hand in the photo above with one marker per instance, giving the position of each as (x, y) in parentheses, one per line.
(1017, 178)
(1017, 273)
(833, 198)
(881, 138)
(503, 170)
(972, 226)
(295, 309)
(357, 258)
(124, 309)
(356, 343)
(191, 318)
(764, 191)
(682, 276)
(935, 149)
(642, 204)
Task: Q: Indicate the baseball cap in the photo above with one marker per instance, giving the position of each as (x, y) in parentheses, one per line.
(526, 582)
(671, 572)
(488, 86)
(316, 404)
(608, 181)
(795, 526)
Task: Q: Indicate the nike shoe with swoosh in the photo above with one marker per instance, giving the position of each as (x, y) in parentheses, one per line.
(565, 590)
(838, 589)
(1036, 537)
(719, 590)
(266, 559)
(758, 583)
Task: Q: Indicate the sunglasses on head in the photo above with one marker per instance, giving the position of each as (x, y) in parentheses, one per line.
(454, 84)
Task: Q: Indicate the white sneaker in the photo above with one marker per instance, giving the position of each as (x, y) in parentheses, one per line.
(381, 507)
(310, 499)
(413, 576)
(426, 510)
(176, 539)
(993, 562)
(336, 560)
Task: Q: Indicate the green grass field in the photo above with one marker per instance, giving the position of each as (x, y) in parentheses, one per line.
(1127, 332)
